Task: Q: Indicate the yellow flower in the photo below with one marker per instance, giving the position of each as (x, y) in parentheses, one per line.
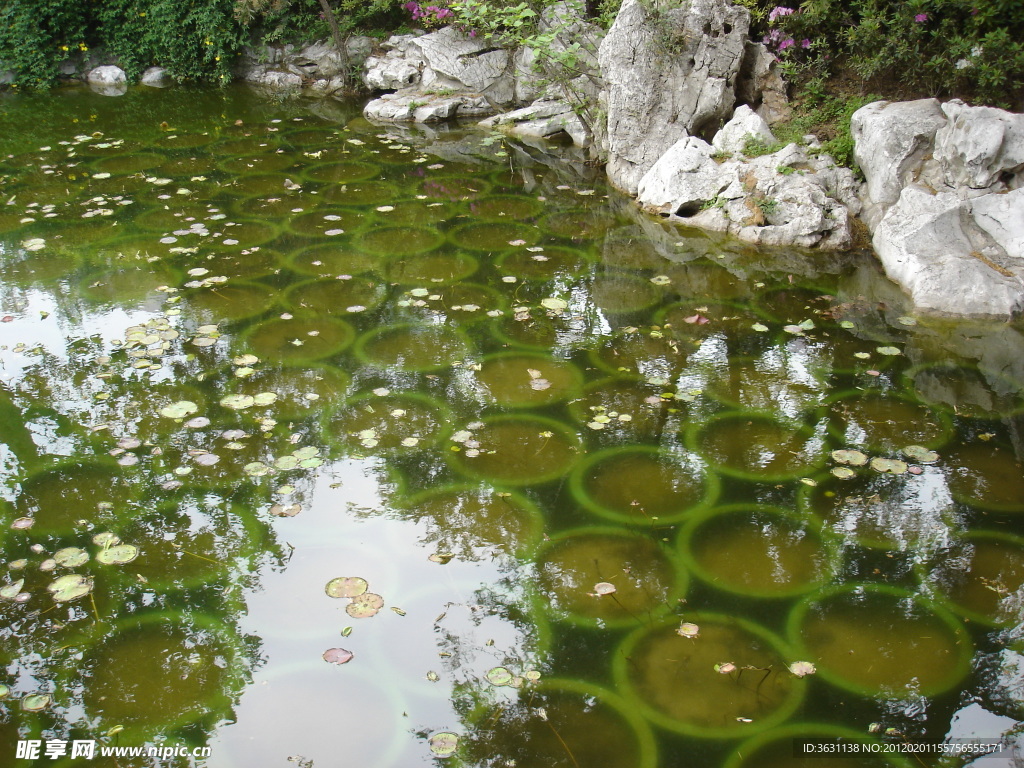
(63, 47)
(143, 14)
(83, 47)
(216, 58)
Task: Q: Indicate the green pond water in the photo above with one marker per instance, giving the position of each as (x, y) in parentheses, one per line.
(333, 444)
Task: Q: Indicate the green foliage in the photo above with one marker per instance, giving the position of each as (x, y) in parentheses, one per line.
(291, 21)
(756, 146)
(941, 47)
(193, 40)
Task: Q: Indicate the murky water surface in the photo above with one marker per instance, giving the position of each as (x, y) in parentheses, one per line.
(332, 444)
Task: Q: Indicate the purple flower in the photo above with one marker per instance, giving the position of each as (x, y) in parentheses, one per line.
(779, 11)
(806, 43)
(921, 18)
(789, 42)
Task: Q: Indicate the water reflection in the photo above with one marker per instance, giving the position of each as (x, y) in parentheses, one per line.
(588, 460)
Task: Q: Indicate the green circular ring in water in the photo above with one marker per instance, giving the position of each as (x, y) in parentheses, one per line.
(884, 423)
(516, 450)
(757, 550)
(570, 565)
(519, 380)
(412, 347)
(874, 647)
(298, 339)
(399, 423)
(672, 679)
(643, 485)
(756, 446)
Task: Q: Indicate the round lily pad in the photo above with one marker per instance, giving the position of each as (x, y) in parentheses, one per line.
(238, 402)
(338, 656)
(499, 676)
(70, 587)
(444, 744)
(71, 557)
(892, 466)
(179, 410)
(346, 586)
(853, 458)
(365, 605)
(920, 454)
(119, 554)
(36, 702)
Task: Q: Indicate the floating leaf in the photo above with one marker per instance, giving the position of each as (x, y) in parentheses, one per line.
(892, 466)
(198, 422)
(432, 676)
(4, 691)
(889, 351)
(119, 554)
(725, 668)
(807, 325)
(498, 676)
(920, 454)
(306, 452)
(34, 244)
(286, 462)
(265, 398)
(444, 744)
(312, 463)
(70, 587)
(36, 702)
(441, 558)
(604, 588)
(364, 606)
(256, 469)
(851, 457)
(398, 610)
(686, 629)
(106, 539)
(843, 473)
(285, 510)
(661, 279)
(338, 656)
(759, 327)
(11, 591)
(128, 443)
(71, 557)
(555, 305)
(346, 586)
(207, 459)
(238, 402)
(179, 410)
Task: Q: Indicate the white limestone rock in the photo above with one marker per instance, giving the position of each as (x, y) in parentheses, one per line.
(744, 125)
(956, 256)
(108, 80)
(892, 141)
(654, 97)
(542, 119)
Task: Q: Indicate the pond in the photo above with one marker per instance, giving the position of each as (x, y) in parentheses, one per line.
(326, 443)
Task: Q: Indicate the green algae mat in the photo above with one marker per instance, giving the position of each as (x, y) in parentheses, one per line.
(422, 447)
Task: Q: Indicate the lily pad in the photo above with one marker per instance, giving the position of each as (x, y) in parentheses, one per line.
(70, 587)
(71, 557)
(338, 656)
(444, 744)
(286, 462)
(264, 398)
(892, 351)
(365, 605)
(238, 402)
(119, 554)
(179, 410)
(346, 586)
(498, 676)
(36, 702)
(11, 591)
(851, 457)
(891, 466)
(920, 454)
(843, 473)
(604, 588)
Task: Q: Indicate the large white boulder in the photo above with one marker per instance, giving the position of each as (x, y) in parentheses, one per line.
(944, 198)
(964, 257)
(785, 198)
(668, 74)
(744, 126)
(541, 120)
(108, 80)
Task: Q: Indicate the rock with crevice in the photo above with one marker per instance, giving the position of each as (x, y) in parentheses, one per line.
(788, 197)
(957, 256)
(761, 86)
(945, 202)
(416, 106)
(317, 66)
(542, 119)
(891, 143)
(668, 74)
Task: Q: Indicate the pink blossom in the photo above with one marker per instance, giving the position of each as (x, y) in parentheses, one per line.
(806, 43)
(779, 11)
(921, 18)
(789, 42)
